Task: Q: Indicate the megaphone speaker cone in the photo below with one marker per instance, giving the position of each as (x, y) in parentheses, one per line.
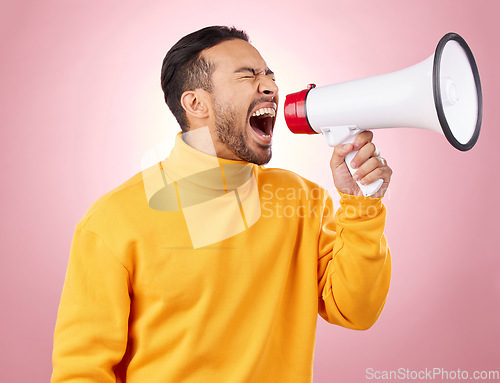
(457, 91)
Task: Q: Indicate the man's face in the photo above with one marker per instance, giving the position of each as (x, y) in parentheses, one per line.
(245, 99)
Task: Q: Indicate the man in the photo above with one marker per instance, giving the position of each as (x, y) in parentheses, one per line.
(149, 296)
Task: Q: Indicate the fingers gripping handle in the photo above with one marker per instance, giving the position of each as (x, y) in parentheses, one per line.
(345, 135)
(367, 190)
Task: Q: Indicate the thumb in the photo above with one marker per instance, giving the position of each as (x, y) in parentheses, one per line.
(339, 153)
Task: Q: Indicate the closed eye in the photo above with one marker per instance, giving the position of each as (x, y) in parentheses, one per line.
(251, 73)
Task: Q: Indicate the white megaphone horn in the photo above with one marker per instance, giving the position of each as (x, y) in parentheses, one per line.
(441, 93)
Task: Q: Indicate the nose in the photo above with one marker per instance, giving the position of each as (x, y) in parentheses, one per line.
(268, 86)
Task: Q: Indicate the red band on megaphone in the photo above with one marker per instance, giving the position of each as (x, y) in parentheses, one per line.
(295, 112)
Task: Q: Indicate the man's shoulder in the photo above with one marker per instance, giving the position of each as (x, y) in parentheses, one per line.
(125, 200)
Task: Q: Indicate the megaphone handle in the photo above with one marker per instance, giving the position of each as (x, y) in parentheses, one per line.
(367, 190)
(345, 135)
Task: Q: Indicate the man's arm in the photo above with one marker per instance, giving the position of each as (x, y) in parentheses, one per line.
(354, 266)
(92, 324)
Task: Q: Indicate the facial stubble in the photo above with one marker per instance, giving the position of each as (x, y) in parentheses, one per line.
(235, 137)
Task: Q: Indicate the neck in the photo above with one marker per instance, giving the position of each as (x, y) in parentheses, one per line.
(200, 139)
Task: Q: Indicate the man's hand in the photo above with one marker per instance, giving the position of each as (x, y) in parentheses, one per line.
(367, 162)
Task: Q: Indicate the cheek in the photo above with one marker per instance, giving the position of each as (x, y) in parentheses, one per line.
(234, 104)
(239, 113)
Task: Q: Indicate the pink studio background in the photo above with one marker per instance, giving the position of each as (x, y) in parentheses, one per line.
(81, 105)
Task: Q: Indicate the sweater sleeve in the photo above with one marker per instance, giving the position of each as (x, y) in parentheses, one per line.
(354, 265)
(90, 337)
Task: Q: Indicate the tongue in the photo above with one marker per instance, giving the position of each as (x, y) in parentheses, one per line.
(258, 131)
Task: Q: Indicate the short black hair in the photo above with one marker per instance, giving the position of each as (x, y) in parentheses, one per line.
(184, 69)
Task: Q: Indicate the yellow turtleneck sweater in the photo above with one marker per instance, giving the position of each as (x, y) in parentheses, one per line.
(204, 270)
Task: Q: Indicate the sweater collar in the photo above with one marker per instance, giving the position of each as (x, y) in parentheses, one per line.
(193, 168)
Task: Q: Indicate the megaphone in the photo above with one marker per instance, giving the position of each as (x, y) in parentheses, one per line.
(441, 93)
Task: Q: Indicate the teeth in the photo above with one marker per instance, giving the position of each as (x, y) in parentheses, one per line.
(264, 112)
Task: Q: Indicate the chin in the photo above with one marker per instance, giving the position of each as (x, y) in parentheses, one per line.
(262, 156)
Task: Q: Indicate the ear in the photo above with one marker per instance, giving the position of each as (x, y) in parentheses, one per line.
(196, 104)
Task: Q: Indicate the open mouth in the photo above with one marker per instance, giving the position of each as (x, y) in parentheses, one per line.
(262, 122)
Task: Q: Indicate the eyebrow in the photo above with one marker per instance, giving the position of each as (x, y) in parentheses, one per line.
(253, 71)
